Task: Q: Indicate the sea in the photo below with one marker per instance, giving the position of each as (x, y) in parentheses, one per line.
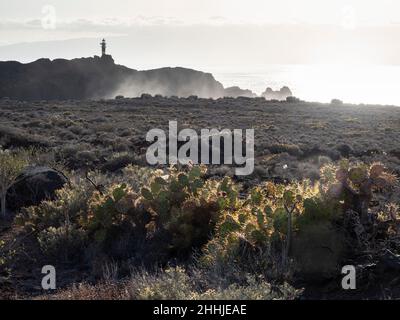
(360, 84)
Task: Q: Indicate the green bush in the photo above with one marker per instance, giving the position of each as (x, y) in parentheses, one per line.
(11, 165)
(56, 224)
(64, 243)
(70, 205)
(172, 284)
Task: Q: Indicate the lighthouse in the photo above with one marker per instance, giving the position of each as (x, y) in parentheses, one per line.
(103, 47)
(105, 58)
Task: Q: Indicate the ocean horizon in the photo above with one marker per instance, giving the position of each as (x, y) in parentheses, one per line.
(320, 83)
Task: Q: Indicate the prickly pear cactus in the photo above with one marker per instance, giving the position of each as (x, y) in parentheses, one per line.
(355, 184)
(185, 207)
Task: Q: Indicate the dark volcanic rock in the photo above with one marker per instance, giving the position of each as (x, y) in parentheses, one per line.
(95, 78)
(345, 150)
(282, 94)
(34, 185)
(234, 92)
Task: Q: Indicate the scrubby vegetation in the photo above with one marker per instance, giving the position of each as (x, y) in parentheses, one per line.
(122, 230)
(10, 166)
(229, 244)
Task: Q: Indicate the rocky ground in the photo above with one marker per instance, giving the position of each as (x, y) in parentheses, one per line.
(291, 139)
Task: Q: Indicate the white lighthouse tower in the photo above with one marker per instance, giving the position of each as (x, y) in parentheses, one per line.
(103, 47)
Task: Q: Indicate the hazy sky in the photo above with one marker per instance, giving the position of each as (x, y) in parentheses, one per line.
(381, 12)
(152, 33)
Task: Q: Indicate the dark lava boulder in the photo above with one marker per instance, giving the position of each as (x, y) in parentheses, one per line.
(34, 185)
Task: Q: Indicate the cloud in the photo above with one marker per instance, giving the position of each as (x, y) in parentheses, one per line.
(83, 23)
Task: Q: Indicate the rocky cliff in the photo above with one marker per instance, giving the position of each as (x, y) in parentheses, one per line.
(99, 77)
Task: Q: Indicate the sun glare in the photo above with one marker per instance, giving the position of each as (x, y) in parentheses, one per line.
(353, 84)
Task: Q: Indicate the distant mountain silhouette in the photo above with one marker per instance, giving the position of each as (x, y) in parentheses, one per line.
(95, 77)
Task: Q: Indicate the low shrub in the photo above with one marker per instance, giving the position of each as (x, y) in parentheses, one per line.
(17, 138)
(11, 165)
(56, 224)
(64, 243)
(176, 284)
(291, 149)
